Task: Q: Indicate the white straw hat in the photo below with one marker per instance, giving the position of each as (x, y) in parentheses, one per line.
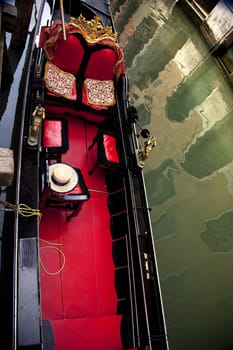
(62, 177)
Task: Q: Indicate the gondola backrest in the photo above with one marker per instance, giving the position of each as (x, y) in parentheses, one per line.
(80, 72)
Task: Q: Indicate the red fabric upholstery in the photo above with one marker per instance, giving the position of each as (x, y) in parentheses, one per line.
(101, 61)
(56, 109)
(52, 36)
(107, 151)
(69, 54)
(110, 148)
(101, 64)
(52, 135)
(55, 137)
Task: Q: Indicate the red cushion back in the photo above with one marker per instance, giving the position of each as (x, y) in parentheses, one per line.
(69, 54)
(52, 135)
(101, 64)
(110, 148)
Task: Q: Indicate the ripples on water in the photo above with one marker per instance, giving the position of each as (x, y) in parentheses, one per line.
(184, 99)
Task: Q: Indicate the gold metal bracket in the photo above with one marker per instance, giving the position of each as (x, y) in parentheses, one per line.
(37, 116)
(144, 153)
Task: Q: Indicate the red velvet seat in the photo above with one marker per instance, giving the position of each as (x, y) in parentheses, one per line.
(107, 155)
(69, 54)
(80, 73)
(101, 64)
(55, 137)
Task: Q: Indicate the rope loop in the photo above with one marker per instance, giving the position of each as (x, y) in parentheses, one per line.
(51, 245)
(23, 209)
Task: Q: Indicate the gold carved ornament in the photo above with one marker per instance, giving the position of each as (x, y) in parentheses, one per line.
(93, 30)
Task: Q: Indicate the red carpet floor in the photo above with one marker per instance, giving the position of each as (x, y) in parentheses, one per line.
(81, 300)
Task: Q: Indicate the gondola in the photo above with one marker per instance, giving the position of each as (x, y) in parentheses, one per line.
(85, 269)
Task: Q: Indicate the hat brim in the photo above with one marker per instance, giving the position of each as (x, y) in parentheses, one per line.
(68, 186)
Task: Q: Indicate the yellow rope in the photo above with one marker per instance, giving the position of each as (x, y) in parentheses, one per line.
(23, 209)
(26, 211)
(50, 243)
(60, 252)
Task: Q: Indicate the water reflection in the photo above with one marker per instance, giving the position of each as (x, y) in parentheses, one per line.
(190, 174)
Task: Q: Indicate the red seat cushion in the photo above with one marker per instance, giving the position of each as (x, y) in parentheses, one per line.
(110, 148)
(101, 64)
(55, 135)
(69, 54)
(60, 109)
(52, 135)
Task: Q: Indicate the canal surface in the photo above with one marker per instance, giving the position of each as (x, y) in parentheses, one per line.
(184, 99)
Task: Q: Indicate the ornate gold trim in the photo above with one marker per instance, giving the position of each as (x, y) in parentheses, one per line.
(93, 30)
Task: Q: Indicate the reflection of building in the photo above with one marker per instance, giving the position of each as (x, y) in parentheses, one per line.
(116, 4)
(164, 44)
(210, 152)
(152, 23)
(144, 110)
(190, 93)
(123, 11)
(136, 24)
(139, 39)
(216, 23)
(149, 37)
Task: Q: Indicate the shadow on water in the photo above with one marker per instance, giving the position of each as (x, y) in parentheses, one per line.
(185, 99)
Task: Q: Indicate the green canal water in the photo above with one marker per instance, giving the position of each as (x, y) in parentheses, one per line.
(187, 103)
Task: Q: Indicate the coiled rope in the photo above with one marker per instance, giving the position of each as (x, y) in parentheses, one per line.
(51, 245)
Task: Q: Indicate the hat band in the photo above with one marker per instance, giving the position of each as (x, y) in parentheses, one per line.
(59, 183)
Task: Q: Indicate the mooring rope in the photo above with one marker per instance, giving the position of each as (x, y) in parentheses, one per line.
(23, 209)
(26, 211)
